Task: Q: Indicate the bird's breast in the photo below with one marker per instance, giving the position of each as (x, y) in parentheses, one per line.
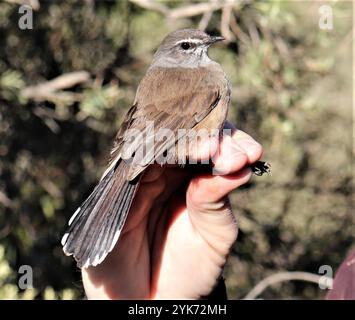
(216, 118)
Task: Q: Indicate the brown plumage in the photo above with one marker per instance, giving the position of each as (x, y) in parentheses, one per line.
(174, 97)
(170, 98)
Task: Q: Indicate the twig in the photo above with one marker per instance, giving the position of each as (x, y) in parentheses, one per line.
(43, 112)
(194, 10)
(225, 22)
(53, 91)
(34, 4)
(237, 30)
(182, 12)
(6, 201)
(253, 32)
(151, 5)
(206, 18)
(286, 276)
(49, 90)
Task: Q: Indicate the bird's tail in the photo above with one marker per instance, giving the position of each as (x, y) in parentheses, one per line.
(96, 225)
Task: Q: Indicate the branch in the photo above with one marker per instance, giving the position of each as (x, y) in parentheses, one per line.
(237, 30)
(287, 276)
(206, 18)
(151, 5)
(253, 32)
(195, 9)
(6, 201)
(49, 90)
(34, 4)
(225, 22)
(185, 11)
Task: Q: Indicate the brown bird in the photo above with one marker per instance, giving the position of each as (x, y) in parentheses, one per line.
(182, 89)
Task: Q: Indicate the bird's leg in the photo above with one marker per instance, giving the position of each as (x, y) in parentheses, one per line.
(261, 167)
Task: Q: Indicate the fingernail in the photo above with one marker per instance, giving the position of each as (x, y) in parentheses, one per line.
(227, 164)
(251, 148)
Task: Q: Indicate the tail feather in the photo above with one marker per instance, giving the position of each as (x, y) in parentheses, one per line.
(115, 221)
(95, 227)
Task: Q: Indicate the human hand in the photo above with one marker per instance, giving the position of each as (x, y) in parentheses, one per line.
(179, 231)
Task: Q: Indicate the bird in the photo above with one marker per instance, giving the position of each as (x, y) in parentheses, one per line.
(183, 89)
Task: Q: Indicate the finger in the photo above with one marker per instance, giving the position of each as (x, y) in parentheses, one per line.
(229, 158)
(209, 210)
(203, 191)
(251, 147)
(235, 151)
(143, 201)
(204, 147)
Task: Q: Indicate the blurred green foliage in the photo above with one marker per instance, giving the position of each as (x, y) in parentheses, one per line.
(292, 91)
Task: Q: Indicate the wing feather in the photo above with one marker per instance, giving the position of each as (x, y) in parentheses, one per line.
(173, 98)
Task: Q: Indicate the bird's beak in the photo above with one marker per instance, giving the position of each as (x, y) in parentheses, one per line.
(213, 39)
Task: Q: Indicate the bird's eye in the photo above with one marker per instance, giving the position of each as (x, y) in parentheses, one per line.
(185, 45)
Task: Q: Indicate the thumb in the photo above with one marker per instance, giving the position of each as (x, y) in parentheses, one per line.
(207, 195)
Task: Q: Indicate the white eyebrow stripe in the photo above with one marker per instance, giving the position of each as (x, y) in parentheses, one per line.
(190, 40)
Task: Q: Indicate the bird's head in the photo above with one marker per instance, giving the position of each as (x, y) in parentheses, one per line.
(186, 48)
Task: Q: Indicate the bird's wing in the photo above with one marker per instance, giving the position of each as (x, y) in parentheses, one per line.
(172, 98)
(127, 121)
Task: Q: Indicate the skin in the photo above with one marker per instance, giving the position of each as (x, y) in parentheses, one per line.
(179, 232)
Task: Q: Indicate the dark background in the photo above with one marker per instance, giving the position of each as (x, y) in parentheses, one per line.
(292, 91)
